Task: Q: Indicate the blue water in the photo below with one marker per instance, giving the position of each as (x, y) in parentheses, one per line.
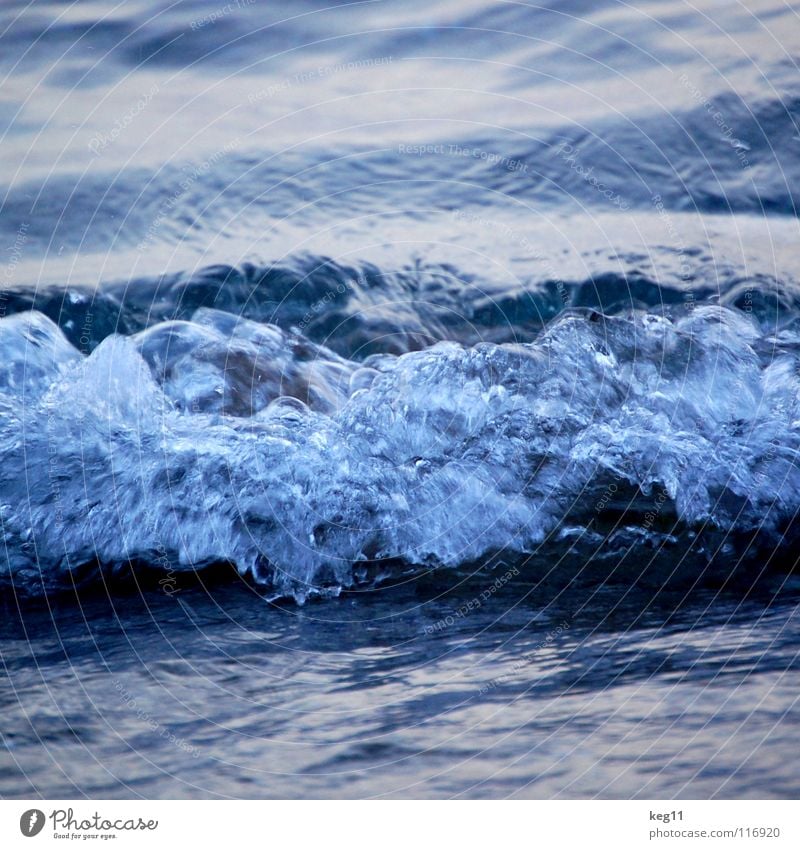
(399, 399)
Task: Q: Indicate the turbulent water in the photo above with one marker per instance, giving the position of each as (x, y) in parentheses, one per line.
(466, 311)
(220, 439)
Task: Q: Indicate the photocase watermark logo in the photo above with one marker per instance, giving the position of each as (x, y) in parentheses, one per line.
(66, 825)
(31, 822)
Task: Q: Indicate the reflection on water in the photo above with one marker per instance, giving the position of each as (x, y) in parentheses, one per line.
(602, 692)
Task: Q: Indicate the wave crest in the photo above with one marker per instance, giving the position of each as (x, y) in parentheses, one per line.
(225, 440)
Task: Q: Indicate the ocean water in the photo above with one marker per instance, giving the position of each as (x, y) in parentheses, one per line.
(399, 399)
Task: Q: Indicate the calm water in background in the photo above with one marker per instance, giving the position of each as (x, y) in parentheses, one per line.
(166, 158)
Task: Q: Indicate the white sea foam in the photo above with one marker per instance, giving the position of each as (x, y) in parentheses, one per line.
(226, 440)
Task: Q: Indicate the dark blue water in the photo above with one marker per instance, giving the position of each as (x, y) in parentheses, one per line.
(399, 399)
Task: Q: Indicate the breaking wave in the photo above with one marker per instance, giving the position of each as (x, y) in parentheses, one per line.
(218, 439)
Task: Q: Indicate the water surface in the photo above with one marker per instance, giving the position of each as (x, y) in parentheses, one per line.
(412, 393)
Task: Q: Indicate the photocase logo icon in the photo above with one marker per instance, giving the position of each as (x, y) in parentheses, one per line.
(31, 822)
